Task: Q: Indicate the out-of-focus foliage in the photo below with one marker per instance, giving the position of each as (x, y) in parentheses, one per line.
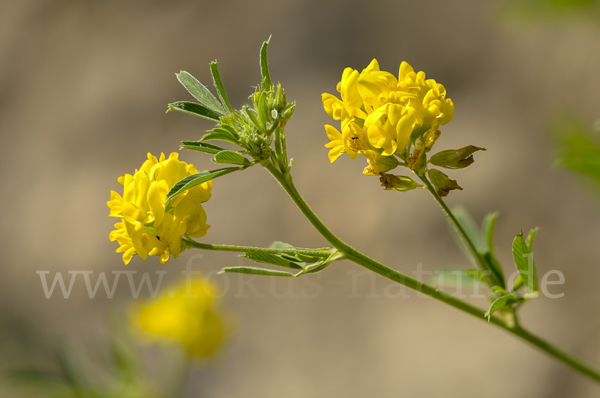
(578, 148)
(77, 375)
(540, 10)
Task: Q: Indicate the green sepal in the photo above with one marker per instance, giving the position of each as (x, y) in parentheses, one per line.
(521, 256)
(232, 157)
(272, 259)
(214, 70)
(503, 301)
(201, 147)
(194, 109)
(200, 92)
(199, 178)
(255, 271)
(264, 66)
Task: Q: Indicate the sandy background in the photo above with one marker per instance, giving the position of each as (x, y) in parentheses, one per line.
(83, 93)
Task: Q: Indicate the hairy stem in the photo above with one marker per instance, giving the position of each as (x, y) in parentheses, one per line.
(325, 252)
(393, 275)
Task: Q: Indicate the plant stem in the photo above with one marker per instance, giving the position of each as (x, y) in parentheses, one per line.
(461, 232)
(325, 252)
(393, 275)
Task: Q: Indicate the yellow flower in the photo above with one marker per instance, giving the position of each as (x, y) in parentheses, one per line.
(382, 115)
(390, 127)
(187, 314)
(147, 226)
(352, 140)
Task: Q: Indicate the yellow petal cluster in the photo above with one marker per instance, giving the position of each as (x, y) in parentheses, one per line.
(149, 228)
(187, 313)
(381, 116)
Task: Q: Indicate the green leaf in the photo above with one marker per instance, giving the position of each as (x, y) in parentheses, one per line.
(194, 109)
(197, 179)
(518, 283)
(502, 302)
(253, 116)
(314, 268)
(72, 369)
(231, 157)
(530, 239)
(264, 67)
(498, 290)
(280, 245)
(256, 271)
(214, 70)
(272, 259)
(201, 147)
(496, 269)
(488, 229)
(523, 259)
(220, 135)
(200, 92)
(471, 229)
(311, 259)
(469, 278)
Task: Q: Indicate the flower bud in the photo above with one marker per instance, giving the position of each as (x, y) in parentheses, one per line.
(431, 137)
(280, 98)
(378, 164)
(288, 111)
(455, 158)
(398, 183)
(419, 159)
(443, 184)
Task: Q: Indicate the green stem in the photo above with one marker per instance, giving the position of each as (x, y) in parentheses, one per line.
(325, 252)
(393, 275)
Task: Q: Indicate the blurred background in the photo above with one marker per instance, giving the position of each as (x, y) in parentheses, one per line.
(83, 93)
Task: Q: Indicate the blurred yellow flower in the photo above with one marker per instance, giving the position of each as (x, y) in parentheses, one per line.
(187, 313)
(384, 116)
(147, 227)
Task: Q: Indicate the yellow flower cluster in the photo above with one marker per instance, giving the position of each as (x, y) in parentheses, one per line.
(147, 226)
(187, 314)
(382, 116)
